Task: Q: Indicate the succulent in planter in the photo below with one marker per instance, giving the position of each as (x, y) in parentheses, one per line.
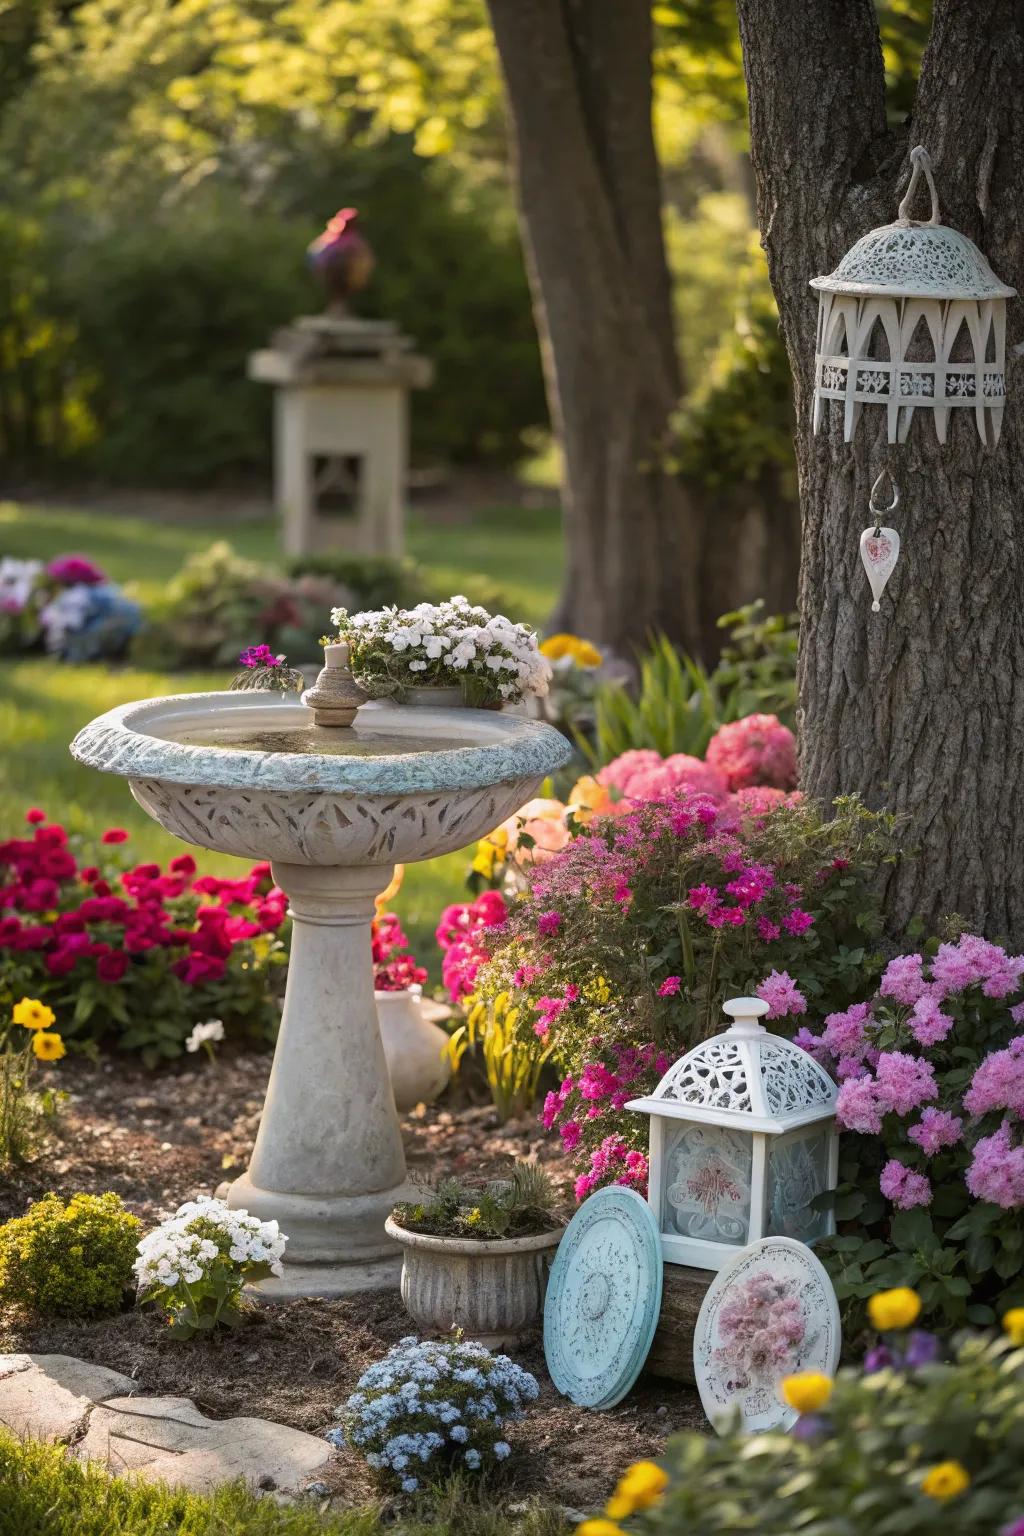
(399, 652)
(520, 1206)
(477, 1258)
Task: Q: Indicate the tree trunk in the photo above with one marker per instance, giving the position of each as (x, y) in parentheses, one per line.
(578, 79)
(919, 707)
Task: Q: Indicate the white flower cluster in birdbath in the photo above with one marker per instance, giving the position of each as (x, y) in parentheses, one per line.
(454, 643)
(195, 1264)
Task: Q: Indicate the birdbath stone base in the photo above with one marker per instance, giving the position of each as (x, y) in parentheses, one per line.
(328, 1163)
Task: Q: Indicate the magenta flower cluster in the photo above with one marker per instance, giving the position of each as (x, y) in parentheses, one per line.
(909, 1090)
(614, 1162)
(466, 935)
(600, 1088)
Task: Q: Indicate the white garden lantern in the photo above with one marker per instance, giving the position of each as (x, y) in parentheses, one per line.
(913, 317)
(743, 1138)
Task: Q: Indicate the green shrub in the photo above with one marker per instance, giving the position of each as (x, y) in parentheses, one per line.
(69, 1260)
(889, 1455)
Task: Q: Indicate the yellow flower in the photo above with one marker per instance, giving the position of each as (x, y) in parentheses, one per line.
(588, 798)
(48, 1047)
(599, 1527)
(261, 946)
(640, 1486)
(894, 1309)
(511, 1018)
(500, 1003)
(1013, 1322)
(473, 1217)
(32, 1014)
(578, 650)
(484, 860)
(597, 991)
(946, 1481)
(808, 1391)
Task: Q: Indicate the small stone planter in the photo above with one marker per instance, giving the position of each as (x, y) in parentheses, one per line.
(492, 1290)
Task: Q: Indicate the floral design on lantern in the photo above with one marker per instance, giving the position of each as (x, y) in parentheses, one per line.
(912, 317)
(742, 1141)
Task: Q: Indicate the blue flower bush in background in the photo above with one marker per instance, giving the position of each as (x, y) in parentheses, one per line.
(431, 1408)
(68, 606)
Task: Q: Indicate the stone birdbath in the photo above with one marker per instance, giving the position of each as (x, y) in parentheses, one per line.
(334, 807)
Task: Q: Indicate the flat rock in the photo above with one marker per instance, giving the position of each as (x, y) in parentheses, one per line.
(169, 1438)
(49, 1396)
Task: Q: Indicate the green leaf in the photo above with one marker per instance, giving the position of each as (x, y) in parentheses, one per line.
(912, 1229)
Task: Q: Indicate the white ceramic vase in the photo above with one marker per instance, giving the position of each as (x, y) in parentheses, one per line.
(413, 1047)
(492, 1290)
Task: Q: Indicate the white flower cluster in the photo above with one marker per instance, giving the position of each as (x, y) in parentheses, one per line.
(212, 1030)
(445, 643)
(429, 1406)
(198, 1234)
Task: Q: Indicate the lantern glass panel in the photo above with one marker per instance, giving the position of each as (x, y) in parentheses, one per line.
(706, 1182)
(797, 1171)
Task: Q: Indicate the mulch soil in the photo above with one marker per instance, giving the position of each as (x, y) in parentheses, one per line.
(158, 1139)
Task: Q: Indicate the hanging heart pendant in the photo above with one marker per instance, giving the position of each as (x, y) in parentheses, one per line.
(879, 550)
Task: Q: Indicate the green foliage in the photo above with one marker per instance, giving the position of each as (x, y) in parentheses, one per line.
(519, 1206)
(45, 1493)
(69, 1260)
(678, 705)
(512, 1061)
(862, 1472)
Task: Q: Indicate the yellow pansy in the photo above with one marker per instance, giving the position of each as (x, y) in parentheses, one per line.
(582, 652)
(599, 1527)
(640, 1486)
(597, 991)
(946, 1481)
(899, 1308)
(47, 1047)
(1013, 1322)
(807, 1391)
(32, 1014)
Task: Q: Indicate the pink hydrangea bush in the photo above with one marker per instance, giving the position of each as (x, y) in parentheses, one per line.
(136, 954)
(931, 1097)
(631, 938)
(757, 750)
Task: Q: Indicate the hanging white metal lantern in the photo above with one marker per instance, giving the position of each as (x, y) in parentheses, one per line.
(743, 1137)
(913, 317)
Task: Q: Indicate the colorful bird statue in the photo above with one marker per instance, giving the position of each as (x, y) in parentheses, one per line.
(342, 259)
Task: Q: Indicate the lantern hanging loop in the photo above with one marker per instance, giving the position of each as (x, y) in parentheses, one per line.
(880, 512)
(921, 160)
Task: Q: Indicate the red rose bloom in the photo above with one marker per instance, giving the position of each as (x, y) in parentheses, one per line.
(114, 835)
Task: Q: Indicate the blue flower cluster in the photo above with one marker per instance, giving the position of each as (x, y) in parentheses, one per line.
(429, 1407)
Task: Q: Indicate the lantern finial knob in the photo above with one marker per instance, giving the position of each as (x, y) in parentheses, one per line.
(921, 160)
(745, 1013)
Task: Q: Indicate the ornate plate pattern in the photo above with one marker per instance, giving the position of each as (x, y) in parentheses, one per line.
(603, 1299)
(738, 1358)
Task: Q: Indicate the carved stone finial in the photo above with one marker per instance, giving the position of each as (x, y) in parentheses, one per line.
(335, 696)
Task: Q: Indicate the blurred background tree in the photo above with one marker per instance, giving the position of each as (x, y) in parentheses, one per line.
(164, 163)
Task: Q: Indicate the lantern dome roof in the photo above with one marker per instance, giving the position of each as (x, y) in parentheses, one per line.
(909, 259)
(744, 1077)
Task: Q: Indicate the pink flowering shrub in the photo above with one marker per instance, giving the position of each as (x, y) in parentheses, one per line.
(932, 1100)
(756, 750)
(466, 937)
(394, 968)
(620, 956)
(136, 955)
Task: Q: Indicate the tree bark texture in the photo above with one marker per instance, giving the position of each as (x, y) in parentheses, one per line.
(578, 80)
(919, 707)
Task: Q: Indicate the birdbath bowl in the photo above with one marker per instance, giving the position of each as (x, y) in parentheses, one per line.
(334, 809)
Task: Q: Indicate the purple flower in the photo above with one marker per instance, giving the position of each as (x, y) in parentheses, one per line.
(903, 1187)
(902, 979)
(1015, 1528)
(928, 1024)
(810, 1426)
(74, 571)
(782, 995)
(797, 921)
(922, 1349)
(997, 1171)
(904, 1082)
(999, 1082)
(936, 1128)
(858, 1107)
(878, 1359)
(844, 1033)
(260, 656)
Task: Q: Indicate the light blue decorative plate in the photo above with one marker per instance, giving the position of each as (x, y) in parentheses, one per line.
(603, 1298)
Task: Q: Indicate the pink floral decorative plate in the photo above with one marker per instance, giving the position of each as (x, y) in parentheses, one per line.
(768, 1314)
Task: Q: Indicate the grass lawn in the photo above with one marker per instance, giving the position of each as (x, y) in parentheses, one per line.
(43, 703)
(45, 1494)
